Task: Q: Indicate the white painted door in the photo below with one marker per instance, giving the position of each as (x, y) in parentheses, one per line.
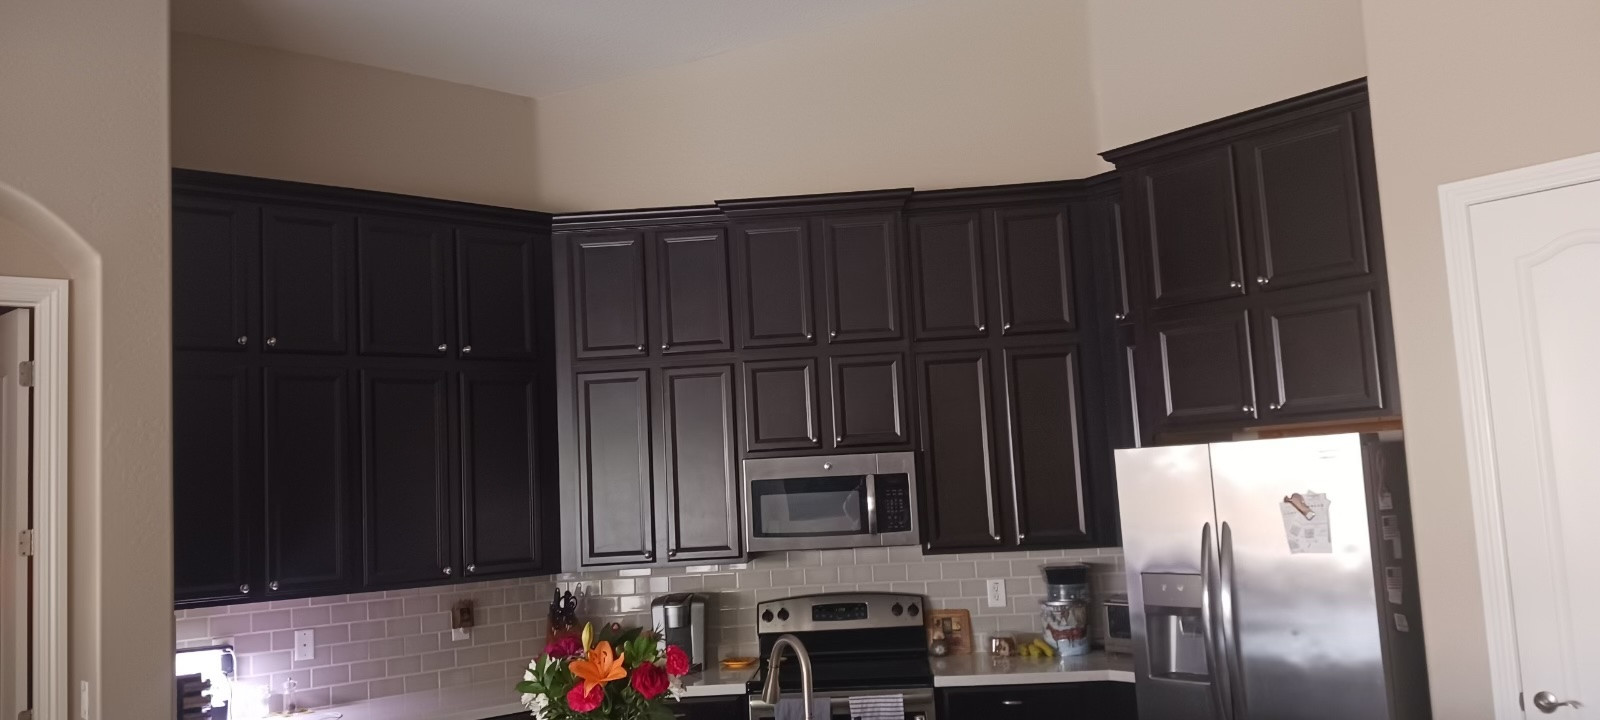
(15, 571)
(1537, 265)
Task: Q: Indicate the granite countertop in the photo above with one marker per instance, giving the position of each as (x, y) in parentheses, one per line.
(979, 669)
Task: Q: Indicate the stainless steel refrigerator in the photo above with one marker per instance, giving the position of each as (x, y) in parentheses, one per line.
(1273, 580)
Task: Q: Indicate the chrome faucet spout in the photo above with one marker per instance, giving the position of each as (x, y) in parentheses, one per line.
(770, 691)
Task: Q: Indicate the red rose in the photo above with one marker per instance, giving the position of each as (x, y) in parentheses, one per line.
(649, 681)
(677, 660)
(564, 647)
(581, 703)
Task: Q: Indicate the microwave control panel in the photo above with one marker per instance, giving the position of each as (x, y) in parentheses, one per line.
(894, 502)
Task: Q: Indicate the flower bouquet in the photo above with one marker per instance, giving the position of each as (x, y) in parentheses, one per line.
(620, 675)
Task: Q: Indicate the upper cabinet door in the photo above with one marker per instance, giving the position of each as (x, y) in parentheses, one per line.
(496, 303)
(947, 276)
(699, 474)
(1320, 356)
(305, 260)
(214, 248)
(1198, 370)
(692, 266)
(861, 271)
(608, 295)
(1191, 224)
(503, 512)
(772, 274)
(216, 467)
(308, 504)
(867, 394)
(1034, 254)
(961, 495)
(405, 476)
(1049, 484)
(780, 398)
(403, 279)
(1303, 203)
(616, 517)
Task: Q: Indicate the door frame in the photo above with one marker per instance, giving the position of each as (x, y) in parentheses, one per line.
(48, 301)
(1455, 204)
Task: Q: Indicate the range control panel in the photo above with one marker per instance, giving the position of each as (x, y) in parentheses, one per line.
(894, 502)
(840, 611)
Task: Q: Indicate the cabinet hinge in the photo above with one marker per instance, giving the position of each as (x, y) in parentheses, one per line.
(25, 373)
(25, 543)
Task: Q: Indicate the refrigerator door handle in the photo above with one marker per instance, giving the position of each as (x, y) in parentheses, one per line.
(1228, 622)
(1211, 635)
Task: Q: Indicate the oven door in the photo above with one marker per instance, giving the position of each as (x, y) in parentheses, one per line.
(919, 704)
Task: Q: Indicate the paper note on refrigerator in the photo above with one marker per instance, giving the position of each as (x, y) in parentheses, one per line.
(1305, 523)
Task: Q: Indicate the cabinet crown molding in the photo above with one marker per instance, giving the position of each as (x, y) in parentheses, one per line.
(866, 200)
(1342, 96)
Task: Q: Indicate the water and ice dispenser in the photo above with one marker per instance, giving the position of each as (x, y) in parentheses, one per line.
(1174, 633)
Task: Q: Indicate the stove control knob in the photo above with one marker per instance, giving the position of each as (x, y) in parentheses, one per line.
(766, 616)
(914, 610)
(897, 609)
(783, 613)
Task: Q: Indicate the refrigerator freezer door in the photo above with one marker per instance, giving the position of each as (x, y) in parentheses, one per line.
(1305, 623)
(1167, 500)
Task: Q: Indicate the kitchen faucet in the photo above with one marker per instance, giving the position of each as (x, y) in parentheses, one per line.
(770, 692)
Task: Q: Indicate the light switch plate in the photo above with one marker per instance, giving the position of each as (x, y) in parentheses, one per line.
(997, 593)
(305, 642)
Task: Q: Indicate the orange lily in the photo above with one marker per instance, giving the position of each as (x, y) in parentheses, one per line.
(599, 667)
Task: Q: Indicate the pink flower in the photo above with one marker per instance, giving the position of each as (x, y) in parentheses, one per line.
(677, 660)
(564, 647)
(649, 681)
(581, 702)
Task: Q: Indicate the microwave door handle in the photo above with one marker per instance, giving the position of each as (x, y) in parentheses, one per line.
(872, 505)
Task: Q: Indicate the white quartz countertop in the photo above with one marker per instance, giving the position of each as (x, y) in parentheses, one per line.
(980, 669)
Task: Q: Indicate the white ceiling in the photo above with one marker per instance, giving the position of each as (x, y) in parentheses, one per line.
(527, 47)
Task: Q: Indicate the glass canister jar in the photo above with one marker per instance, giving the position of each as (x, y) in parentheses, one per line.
(1065, 609)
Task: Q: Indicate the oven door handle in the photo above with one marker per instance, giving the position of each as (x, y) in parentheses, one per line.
(872, 505)
(924, 697)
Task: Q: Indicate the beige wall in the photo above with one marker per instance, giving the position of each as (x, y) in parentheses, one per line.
(1164, 65)
(943, 94)
(1460, 89)
(84, 175)
(269, 113)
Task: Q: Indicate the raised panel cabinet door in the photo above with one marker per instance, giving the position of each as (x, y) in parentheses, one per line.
(962, 492)
(615, 480)
(1320, 355)
(503, 501)
(215, 244)
(1192, 247)
(861, 276)
(608, 295)
(700, 475)
(947, 276)
(406, 481)
(1199, 370)
(867, 394)
(1050, 498)
(308, 488)
(781, 408)
(216, 479)
(1303, 206)
(496, 303)
(772, 277)
(402, 287)
(1034, 254)
(305, 279)
(692, 266)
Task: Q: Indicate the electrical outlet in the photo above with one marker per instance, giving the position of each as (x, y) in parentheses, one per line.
(997, 593)
(305, 644)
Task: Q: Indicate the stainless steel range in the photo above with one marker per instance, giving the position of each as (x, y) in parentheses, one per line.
(859, 644)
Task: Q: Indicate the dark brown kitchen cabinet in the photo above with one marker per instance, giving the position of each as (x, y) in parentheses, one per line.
(498, 300)
(1191, 227)
(699, 471)
(1034, 256)
(504, 512)
(1087, 700)
(403, 287)
(960, 481)
(616, 523)
(1048, 473)
(406, 478)
(781, 405)
(215, 250)
(306, 429)
(692, 270)
(772, 278)
(949, 297)
(216, 479)
(305, 279)
(861, 271)
(1198, 370)
(1319, 356)
(866, 399)
(608, 295)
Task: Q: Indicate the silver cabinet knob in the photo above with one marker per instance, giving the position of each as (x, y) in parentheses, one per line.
(1121, 316)
(1274, 406)
(1248, 409)
(1235, 284)
(1011, 703)
(809, 336)
(447, 569)
(650, 555)
(665, 346)
(472, 568)
(244, 589)
(982, 327)
(1262, 280)
(243, 339)
(272, 342)
(272, 585)
(827, 466)
(1005, 326)
(1547, 702)
(639, 347)
(466, 349)
(833, 334)
(443, 347)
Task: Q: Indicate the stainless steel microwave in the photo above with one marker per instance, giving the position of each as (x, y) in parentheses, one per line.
(835, 501)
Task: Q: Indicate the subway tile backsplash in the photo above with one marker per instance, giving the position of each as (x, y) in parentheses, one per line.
(372, 645)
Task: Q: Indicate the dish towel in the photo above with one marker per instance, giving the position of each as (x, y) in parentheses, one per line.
(795, 709)
(878, 707)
